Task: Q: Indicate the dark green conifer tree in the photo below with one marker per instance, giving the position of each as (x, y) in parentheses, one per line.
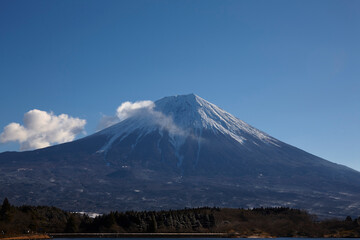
(153, 224)
(5, 210)
(71, 225)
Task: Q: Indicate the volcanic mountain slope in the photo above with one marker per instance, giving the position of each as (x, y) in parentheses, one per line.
(181, 151)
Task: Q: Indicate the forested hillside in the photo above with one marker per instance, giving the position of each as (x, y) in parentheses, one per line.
(278, 222)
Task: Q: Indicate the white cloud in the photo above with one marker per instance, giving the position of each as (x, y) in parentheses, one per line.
(42, 129)
(128, 109)
(124, 111)
(142, 109)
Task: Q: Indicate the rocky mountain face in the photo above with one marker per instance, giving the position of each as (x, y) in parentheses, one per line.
(180, 152)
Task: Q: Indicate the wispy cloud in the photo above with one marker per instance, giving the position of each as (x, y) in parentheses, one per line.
(124, 111)
(42, 129)
(144, 110)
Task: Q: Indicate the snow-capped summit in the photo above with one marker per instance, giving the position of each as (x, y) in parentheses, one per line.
(192, 111)
(185, 116)
(179, 151)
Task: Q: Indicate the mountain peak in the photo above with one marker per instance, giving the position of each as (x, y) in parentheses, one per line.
(184, 116)
(178, 103)
(180, 100)
(192, 111)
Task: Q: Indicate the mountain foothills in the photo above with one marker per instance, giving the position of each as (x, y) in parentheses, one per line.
(177, 152)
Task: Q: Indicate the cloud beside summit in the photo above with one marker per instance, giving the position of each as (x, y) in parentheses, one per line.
(145, 110)
(124, 111)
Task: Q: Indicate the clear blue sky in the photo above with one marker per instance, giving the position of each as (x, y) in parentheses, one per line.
(289, 68)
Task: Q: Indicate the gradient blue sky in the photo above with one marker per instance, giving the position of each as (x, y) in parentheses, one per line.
(289, 68)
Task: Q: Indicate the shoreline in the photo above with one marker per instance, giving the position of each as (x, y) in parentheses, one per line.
(27, 237)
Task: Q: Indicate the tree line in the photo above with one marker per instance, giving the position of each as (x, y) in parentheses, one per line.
(276, 222)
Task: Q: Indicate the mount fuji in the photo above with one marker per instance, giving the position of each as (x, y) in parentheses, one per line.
(179, 151)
